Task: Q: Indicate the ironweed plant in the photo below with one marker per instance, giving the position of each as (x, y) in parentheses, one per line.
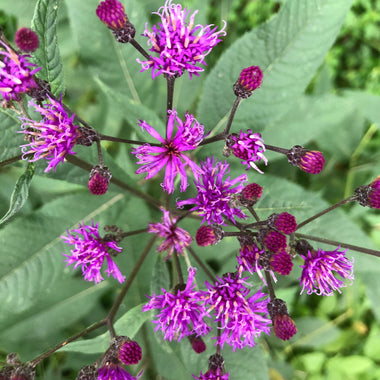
(166, 227)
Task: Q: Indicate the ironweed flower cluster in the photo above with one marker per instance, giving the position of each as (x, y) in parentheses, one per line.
(216, 204)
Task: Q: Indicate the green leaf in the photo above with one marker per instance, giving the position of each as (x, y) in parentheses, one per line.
(288, 48)
(47, 55)
(20, 193)
(129, 324)
(10, 140)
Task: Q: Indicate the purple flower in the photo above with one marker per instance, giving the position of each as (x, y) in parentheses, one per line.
(249, 147)
(242, 318)
(90, 251)
(16, 74)
(176, 238)
(212, 375)
(26, 39)
(53, 137)
(115, 372)
(215, 194)
(181, 46)
(170, 152)
(249, 254)
(181, 314)
(318, 271)
(112, 14)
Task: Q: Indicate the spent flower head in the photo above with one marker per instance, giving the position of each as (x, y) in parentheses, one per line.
(89, 252)
(181, 312)
(179, 43)
(16, 73)
(176, 238)
(320, 270)
(51, 138)
(170, 152)
(214, 198)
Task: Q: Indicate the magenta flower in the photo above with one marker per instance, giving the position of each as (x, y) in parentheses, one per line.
(26, 40)
(90, 251)
(214, 198)
(16, 74)
(170, 152)
(310, 161)
(249, 255)
(112, 14)
(181, 314)
(115, 372)
(241, 317)
(318, 271)
(249, 147)
(176, 238)
(212, 375)
(180, 45)
(53, 137)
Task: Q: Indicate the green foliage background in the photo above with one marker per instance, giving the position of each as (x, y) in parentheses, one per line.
(313, 94)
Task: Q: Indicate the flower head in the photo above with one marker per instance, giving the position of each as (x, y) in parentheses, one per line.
(112, 13)
(99, 180)
(318, 271)
(207, 235)
(273, 240)
(213, 375)
(115, 371)
(16, 74)
(250, 78)
(176, 238)
(281, 262)
(369, 195)
(284, 222)
(242, 317)
(249, 254)
(250, 194)
(170, 152)
(26, 40)
(89, 252)
(310, 161)
(129, 351)
(53, 137)
(214, 198)
(283, 326)
(180, 45)
(181, 313)
(249, 147)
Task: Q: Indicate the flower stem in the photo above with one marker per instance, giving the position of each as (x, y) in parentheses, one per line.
(254, 214)
(356, 248)
(11, 160)
(130, 233)
(87, 330)
(125, 141)
(178, 269)
(218, 137)
(139, 48)
(276, 149)
(170, 79)
(328, 209)
(272, 295)
(100, 155)
(232, 115)
(115, 307)
(201, 264)
(86, 166)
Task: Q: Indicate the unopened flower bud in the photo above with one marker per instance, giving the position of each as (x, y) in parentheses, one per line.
(26, 40)
(273, 241)
(281, 262)
(284, 222)
(87, 372)
(99, 180)
(250, 194)
(310, 161)
(129, 351)
(208, 235)
(112, 13)
(369, 195)
(250, 78)
(283, 326)
(197, 343)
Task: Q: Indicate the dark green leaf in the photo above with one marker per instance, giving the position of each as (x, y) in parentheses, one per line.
(20, 193)
(288, 48)
(47, 55)
(10, 140)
